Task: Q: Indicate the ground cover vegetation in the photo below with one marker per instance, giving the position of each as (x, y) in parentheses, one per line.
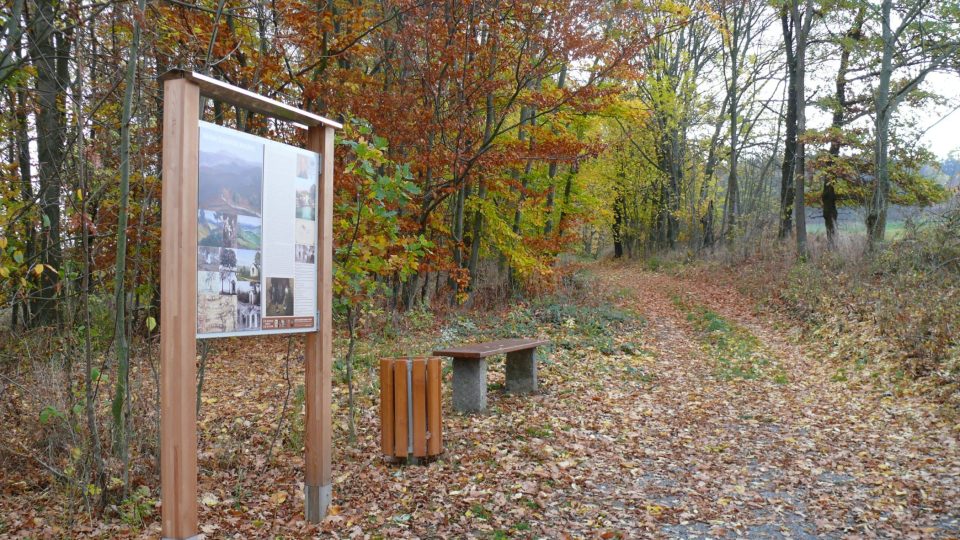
(745, 373)
(891, 319)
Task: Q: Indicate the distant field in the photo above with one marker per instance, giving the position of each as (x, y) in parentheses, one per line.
(852, 220)
(895, 229)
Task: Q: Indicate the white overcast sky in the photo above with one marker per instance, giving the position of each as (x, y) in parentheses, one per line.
(943, 122)
(940, 124)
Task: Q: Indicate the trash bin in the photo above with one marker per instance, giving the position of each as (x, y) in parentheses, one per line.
(410, 417)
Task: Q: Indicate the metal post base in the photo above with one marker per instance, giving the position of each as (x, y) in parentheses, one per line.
(317, 499)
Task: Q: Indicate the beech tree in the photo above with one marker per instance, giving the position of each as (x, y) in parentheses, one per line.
(917, 37)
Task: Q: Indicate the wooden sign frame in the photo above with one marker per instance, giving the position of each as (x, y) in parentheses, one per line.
(178, 299)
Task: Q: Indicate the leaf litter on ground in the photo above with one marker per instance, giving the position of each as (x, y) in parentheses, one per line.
(632, 434)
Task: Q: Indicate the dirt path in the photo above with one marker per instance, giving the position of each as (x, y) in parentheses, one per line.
(642, 438)
(638, 430)
(804, 457)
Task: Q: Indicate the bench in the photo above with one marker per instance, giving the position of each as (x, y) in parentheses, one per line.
(470, 370)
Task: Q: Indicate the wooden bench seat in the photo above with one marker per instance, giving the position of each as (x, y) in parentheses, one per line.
(470, 370)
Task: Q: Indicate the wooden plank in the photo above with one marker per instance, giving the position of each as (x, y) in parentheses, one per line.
(435, 442)
(400, 408)
(325, 289)
(419, 407)
(386, 406)
(319, 345)
(178, 313)
(246, 99)
(491, 348)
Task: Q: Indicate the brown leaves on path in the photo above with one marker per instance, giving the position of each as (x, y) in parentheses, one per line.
(650, 442)
(812, 456)
(635, 432)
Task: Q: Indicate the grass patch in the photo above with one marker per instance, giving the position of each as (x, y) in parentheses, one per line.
(541, 432)
(480, 511)
(736, 352)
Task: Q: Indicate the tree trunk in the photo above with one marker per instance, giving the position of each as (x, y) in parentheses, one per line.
(552, 169)
(568, 187)
(828, 199)
(477, 228)
(733, 188)
(121, 399)
(790, 143)
(877, 213)
(90, 382)
(26, 191)
(618, 226)
(462, 194)
(800, 172)
(12, 34)
(50, 52)
(527, 115)
(707, 222)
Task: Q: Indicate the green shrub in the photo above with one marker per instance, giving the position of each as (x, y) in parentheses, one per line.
(136, 507)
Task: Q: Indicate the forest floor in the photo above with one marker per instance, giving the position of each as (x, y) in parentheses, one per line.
(669, 408)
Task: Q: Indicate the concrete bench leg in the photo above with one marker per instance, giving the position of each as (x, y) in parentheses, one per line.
(522, 372)
(469, 385)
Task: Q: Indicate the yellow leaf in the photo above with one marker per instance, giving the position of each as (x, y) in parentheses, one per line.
(3, 242)
(4, 272)
(279, 497)
(38, 269)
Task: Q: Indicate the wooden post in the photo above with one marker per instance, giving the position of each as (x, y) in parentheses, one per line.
(318, 488)
(401, 432)
(386, 406)
(435, 443)
(178, 313)
(419, 391)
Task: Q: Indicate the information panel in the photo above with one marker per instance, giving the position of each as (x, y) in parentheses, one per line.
(256, 235)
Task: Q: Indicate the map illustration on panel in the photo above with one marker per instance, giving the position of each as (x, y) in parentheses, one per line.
(256, 217)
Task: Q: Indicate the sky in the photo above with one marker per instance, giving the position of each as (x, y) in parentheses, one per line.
(943, 135)
(939, 124)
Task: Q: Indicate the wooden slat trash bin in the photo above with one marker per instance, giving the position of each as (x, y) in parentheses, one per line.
(410, 417)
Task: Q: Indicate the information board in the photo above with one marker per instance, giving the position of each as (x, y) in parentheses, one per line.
(256, 235)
